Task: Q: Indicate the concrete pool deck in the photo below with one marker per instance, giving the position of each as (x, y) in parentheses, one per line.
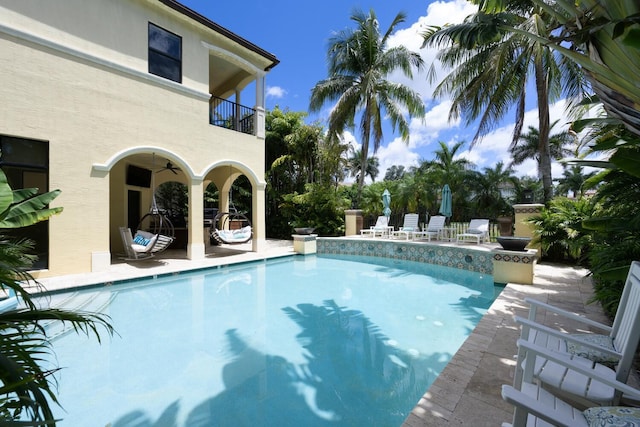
(467, 392)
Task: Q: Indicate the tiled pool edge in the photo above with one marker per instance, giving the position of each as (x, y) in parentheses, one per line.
(469, 258)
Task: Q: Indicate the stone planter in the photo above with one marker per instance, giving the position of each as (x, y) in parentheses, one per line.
(505, 224)
(514, 243)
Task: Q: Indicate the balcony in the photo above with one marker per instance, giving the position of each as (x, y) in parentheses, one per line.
(229, 115)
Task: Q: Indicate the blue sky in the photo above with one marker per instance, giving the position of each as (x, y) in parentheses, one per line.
(298, 33)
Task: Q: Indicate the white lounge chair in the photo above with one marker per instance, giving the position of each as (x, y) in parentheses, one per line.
(409, 227)
(602, 351)
(478, 230)
(381, 228)
(433, 229)
(535, 406)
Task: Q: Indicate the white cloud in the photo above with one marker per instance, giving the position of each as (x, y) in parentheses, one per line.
(275, 92)
(437, 14)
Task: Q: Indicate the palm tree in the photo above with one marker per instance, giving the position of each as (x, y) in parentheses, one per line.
(573, 179)
(488, 188)
(448, 168)
(602, 37)
(355, 165)
(360, 63)
(527, 147)
(492, 67)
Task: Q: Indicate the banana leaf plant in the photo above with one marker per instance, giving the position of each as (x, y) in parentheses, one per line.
(27, 384)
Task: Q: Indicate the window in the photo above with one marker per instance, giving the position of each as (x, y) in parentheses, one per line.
(25, 162)
(165, 54)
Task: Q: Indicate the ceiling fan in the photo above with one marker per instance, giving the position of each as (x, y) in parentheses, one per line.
(171, 167)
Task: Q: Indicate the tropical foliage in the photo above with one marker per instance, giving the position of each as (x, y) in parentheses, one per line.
(27, 387)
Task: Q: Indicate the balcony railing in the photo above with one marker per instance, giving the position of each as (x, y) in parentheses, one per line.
(232, 116)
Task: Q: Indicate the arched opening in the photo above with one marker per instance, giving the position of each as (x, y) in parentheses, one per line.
(228, 205)
(148, 192)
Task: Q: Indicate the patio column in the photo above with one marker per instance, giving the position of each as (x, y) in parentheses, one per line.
(258, 243)
(260, 108)
(195, 221)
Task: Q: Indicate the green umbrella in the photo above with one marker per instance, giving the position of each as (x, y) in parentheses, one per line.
(445, 204)
(386, 202)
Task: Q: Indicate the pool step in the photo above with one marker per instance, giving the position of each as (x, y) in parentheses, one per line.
(93, 302)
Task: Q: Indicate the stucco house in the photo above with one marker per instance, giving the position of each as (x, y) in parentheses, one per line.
(99, 96)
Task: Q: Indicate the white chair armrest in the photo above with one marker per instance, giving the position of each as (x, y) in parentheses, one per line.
(569, 363)
(539, 304)
(565, 336)
(555, 415)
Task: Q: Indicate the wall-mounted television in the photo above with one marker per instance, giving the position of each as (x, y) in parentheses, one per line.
(139, 177)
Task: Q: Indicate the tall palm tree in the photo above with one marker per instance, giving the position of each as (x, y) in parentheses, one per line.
(360, 63)
(527, 147)
(492, 67)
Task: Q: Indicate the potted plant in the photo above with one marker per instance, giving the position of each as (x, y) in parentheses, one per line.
(505, 222)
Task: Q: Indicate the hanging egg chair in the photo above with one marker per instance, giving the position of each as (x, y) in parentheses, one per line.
(157, 222)
(220, 232)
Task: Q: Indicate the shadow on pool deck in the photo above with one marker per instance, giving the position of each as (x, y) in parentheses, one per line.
(467, 392)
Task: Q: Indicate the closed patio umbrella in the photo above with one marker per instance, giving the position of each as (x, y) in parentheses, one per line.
(386, 202)
(445, 204)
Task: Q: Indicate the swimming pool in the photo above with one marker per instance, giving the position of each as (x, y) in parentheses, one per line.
(313, 341)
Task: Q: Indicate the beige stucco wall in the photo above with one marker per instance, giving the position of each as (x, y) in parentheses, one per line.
(90, 109)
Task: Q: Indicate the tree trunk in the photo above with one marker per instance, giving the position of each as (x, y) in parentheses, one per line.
(543, 127)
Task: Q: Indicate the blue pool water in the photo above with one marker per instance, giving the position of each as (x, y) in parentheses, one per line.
(301, 341)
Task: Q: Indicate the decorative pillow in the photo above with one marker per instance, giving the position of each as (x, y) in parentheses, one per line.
(243, 233)
(140, 240)
(150, 243)
(614, 416)
(591, 353)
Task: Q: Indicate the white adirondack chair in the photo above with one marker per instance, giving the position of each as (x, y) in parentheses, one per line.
(535, 406)
(611, 354)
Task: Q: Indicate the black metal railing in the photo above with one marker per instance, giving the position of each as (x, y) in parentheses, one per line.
(232, 116)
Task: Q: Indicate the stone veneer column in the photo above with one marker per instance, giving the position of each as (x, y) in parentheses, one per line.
(522, 213)
(352, 222)
(304, 243)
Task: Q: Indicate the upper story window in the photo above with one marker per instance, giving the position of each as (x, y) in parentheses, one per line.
(165, 54)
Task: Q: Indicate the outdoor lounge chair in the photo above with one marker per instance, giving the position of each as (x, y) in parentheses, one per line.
(144, 245)
(602, 351)
(433, 229)
(409, 227)
(535, 405)
(478, 230)
(381, 228)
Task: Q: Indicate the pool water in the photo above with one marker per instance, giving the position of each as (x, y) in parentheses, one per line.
(301, 341)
